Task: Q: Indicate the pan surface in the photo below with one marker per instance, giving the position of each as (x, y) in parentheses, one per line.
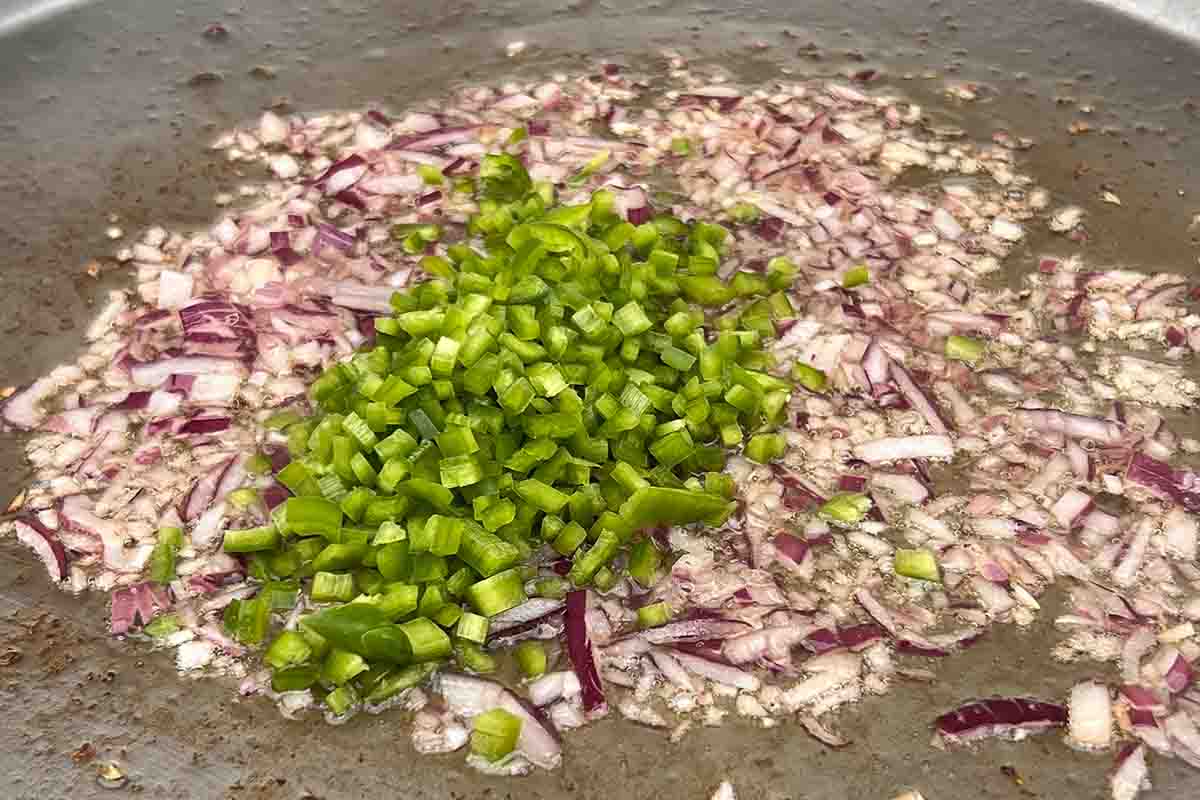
(107, 110)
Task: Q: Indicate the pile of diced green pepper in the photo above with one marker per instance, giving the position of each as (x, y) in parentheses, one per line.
(572, 382)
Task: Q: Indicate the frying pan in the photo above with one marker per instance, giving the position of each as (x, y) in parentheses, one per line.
(107, 108)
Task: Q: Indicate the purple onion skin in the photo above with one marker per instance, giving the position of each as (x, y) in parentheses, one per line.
(51, 538)
(823, 640)
(639, 215)
(135, 401)
(792, 547)
(579, 648)
(1155, 474)
(346, 163)
(1000, 715)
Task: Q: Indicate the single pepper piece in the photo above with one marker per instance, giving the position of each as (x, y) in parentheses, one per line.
(395, 682)
(847, 508)
(427, 641)
(495, 733)
(964, 348)
(531, 658)
(165, 554)
(387, 643)
(856, 276)
(500, 592)
(344, 626)
(919, 564)
(659, 505)
(810, 378)
(289, 649)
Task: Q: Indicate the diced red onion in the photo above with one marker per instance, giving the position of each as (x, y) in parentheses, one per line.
(469, 697)
(1001, 382)
(431, 140)
(272, 129)
(1158, 300)
(1184, 737)
(174, 288)
(1080, 463)
(553, 686)
(725, 98)
(918, 399)
(76, 422)
(821, 733)
(945, 322)
(22, 411)
(350, 198)
(134, 401)
(390, 184)
(273, 495)
(852, 483)
(896, 448)
(1000, 717)
(204, 425)
(1180, 534)
(355, 165)
(910, 648)
(1071, 507)
(153, 373)
(579, 649)
(1130, 774)
(851, 637)
(549, 627)
(137, 605)
(213, 581)
(791, 547)
(694, 630)
(533, 609)
(333, 237)
(1179, 677)
(905, 488)
(671, 669)
(76, 514)
(1051, 421)
(1090, 715)
(360, 296)
(1158, 475)
(774, 643)
(204, 491)
(45, 542)
(721, 673)
(876, 363)
(994, 599)
(1141, 697)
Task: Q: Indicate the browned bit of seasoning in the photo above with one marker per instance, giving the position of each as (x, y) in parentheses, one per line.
(10, 656)
(7, 392)
(1012, 774)
(206, 78)
(16, 503)
(83, 754)
(93, 269)
(110, 775)
(1078, 127)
